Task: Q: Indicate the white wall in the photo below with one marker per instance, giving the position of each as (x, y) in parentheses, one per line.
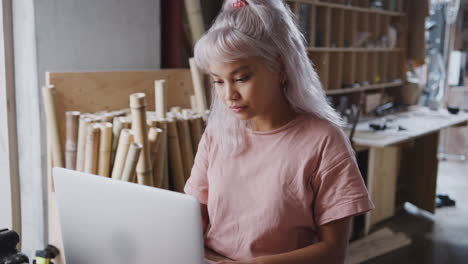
(69, 35)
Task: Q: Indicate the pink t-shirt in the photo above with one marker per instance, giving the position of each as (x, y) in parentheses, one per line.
(272, 198)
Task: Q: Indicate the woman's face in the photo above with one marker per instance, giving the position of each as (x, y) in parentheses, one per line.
(249, 88)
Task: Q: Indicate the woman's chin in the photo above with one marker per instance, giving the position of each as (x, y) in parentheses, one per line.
(243, 116)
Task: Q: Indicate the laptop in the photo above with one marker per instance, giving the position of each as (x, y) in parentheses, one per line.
(111, 221)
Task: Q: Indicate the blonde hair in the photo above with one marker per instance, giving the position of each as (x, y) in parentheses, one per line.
(264, 29)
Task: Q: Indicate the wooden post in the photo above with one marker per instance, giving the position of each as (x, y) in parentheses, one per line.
(195, 18)
(160, 100)
(131, 161)
(138, 109)
(196, 129)
(197, 79)
(186, 147)
(193, 103)
(155, 140)
(105, 145)
(92, 149)
(126, 138)
(84, 123)
(161, 164)
(119, 123)
(175, 159)
(71, 138)
(51, 116)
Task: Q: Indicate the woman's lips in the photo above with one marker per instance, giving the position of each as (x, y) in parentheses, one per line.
(237, 109)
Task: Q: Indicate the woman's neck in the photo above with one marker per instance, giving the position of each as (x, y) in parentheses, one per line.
(275, 119)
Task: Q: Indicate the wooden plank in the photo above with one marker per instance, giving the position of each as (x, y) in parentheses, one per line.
(336, 59)
(363, 9)
(321, 62)
(365, 88)
(363, 50)
(418, 122)
(337, 29)
(349, 70)
(328, 26)
(295, 9)
(370, 68)
(10, 190)
(350, 23)
(383, 62)
(384, 164)
(361, 68)
(376, 244)
(419, 171)
(336, 71)
(98, 91)
(313, 25)
(323, 33)
(349, 59)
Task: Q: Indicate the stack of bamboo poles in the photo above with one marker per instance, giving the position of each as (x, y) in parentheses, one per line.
(154, 148)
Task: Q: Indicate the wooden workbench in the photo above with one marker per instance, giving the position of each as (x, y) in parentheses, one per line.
(402, 164)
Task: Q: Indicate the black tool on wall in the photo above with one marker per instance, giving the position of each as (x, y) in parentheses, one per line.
(8, 253)
(46, 255)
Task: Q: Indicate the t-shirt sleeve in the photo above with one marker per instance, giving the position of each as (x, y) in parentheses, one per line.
(338, 186)
(197, 184)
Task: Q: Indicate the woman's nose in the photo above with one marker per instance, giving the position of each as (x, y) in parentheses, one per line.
(230, 92)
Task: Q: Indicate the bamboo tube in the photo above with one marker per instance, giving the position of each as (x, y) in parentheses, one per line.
(186, 148)
(187, 113)
(160, 173)
(134, 153)
(198, 87)
(175, 158)
(71, 138)
(138, 109)
(109, 116)
(176, 110)
(160, 99)
(154, 139)
(196, 129)
(193, 103)
(195, 19)
(154, 135)
(92, 149)
(126, 138)
(48, 93)
(119, 123)
(84, 123)
(105, 145)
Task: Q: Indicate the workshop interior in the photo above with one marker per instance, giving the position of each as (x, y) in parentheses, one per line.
(112, 90)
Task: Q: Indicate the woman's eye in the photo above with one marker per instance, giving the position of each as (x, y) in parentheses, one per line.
(243, 79)
(217, 82)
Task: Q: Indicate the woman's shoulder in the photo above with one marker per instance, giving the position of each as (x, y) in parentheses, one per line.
(320, 127)
(325, 134)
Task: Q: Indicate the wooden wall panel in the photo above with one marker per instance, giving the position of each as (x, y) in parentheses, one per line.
(97, 91)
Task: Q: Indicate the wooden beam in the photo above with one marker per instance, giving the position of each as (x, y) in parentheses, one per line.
(381, 182)
(418, 172)
(8, 131)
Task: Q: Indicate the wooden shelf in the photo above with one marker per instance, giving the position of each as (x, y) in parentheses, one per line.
(365, 88)
(327, 49)
(351, 8)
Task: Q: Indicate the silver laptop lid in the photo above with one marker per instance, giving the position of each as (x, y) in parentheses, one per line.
(110, 221)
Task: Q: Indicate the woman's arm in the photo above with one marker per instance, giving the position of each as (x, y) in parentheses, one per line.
(331, 248)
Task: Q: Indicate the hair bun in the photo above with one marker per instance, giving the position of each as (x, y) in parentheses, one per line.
(239, 3)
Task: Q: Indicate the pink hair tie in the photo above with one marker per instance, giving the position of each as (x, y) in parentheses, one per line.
(239, 4)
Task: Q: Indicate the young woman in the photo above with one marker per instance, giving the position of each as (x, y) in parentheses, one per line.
(275, 175)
